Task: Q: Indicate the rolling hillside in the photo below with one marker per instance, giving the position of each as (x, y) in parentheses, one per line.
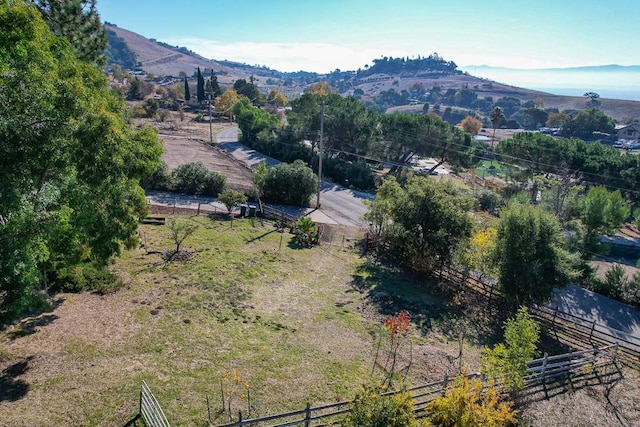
(161, 59)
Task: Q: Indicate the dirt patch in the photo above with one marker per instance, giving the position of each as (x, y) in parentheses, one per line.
(187, 141)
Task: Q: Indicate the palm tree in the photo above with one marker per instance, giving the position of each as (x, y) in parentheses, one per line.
(496, 117)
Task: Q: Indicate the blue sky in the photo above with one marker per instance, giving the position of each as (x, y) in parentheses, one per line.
(321, 36)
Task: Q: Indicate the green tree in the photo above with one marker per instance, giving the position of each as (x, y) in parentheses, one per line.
(200, 87)
(290, 184)
(135, 89)
(215, 87)
(187, 94)
(586, 122)
(423, 223)
(529, 255)
(259, 177)
(507, 362)
(254, 123)
(79, 22)
(495, 117)
(70, 166)
(232, 198)
(602, 213)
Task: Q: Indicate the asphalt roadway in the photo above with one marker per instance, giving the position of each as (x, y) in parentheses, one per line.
(338, 205)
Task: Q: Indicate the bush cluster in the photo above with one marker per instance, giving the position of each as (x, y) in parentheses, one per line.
(190, 178)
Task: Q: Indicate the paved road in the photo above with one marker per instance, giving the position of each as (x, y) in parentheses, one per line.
(342, 205)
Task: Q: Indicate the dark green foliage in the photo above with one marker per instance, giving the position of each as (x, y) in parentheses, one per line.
(213, 87)
(161, 179)
(530, 255)
(69, 163)
(597, 163)
(118, 51)
(187, 94)
(79, 22)
(356, 174)
(194, 178)
(305, 233)
(390, 65)
(135, 89)
(250, 90)
(420, 224)
(200, 87)
(489, 201)
(290, 184)
(88, 276)
(586, 122)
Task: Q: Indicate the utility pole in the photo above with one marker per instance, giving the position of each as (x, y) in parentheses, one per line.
(210, 128)
(321, 149)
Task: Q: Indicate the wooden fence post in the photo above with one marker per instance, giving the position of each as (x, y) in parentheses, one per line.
(444, 385)
(544, 367)
(174, 207)
(307, 415)
(198, 213)
(593, 326)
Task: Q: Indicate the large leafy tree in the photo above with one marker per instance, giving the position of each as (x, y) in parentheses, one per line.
(529, 255)
(69, 164)
(79, 22)
(586, 122)
(290, 184)
(423, 223)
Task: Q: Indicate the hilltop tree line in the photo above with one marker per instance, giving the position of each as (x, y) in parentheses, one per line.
(391, 65)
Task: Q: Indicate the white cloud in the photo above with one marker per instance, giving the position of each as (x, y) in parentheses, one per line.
(315, 57)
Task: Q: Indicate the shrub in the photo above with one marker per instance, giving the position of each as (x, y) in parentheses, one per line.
(370, 409)
(306, 233)
(87, 277)
(508, 362)
(466, 403)
(194, 178)
(161, 179)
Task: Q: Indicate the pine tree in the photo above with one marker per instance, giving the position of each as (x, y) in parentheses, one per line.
(187, 94)
(200, 92)
(215, 87)
(79, 22)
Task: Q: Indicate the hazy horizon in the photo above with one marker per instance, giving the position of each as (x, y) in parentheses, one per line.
(616, 84)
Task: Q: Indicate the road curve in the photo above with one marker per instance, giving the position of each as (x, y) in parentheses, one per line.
(344, 206)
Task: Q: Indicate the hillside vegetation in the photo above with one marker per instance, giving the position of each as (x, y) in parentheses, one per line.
(386, 74)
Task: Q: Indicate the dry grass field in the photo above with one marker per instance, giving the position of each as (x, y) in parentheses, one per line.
(298, 325)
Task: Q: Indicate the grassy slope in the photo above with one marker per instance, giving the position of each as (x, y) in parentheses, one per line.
(292, 323)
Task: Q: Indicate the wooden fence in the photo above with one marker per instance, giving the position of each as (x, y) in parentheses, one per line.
(539, 371)
(569, 329)
(150, 410)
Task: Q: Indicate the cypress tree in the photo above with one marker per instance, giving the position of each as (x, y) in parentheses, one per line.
(187, 95)
(200, 92)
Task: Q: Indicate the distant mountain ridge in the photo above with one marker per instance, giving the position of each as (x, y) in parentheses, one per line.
(586, 68)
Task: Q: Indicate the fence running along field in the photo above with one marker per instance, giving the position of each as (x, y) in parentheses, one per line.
(567, 328)
(546, 370)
